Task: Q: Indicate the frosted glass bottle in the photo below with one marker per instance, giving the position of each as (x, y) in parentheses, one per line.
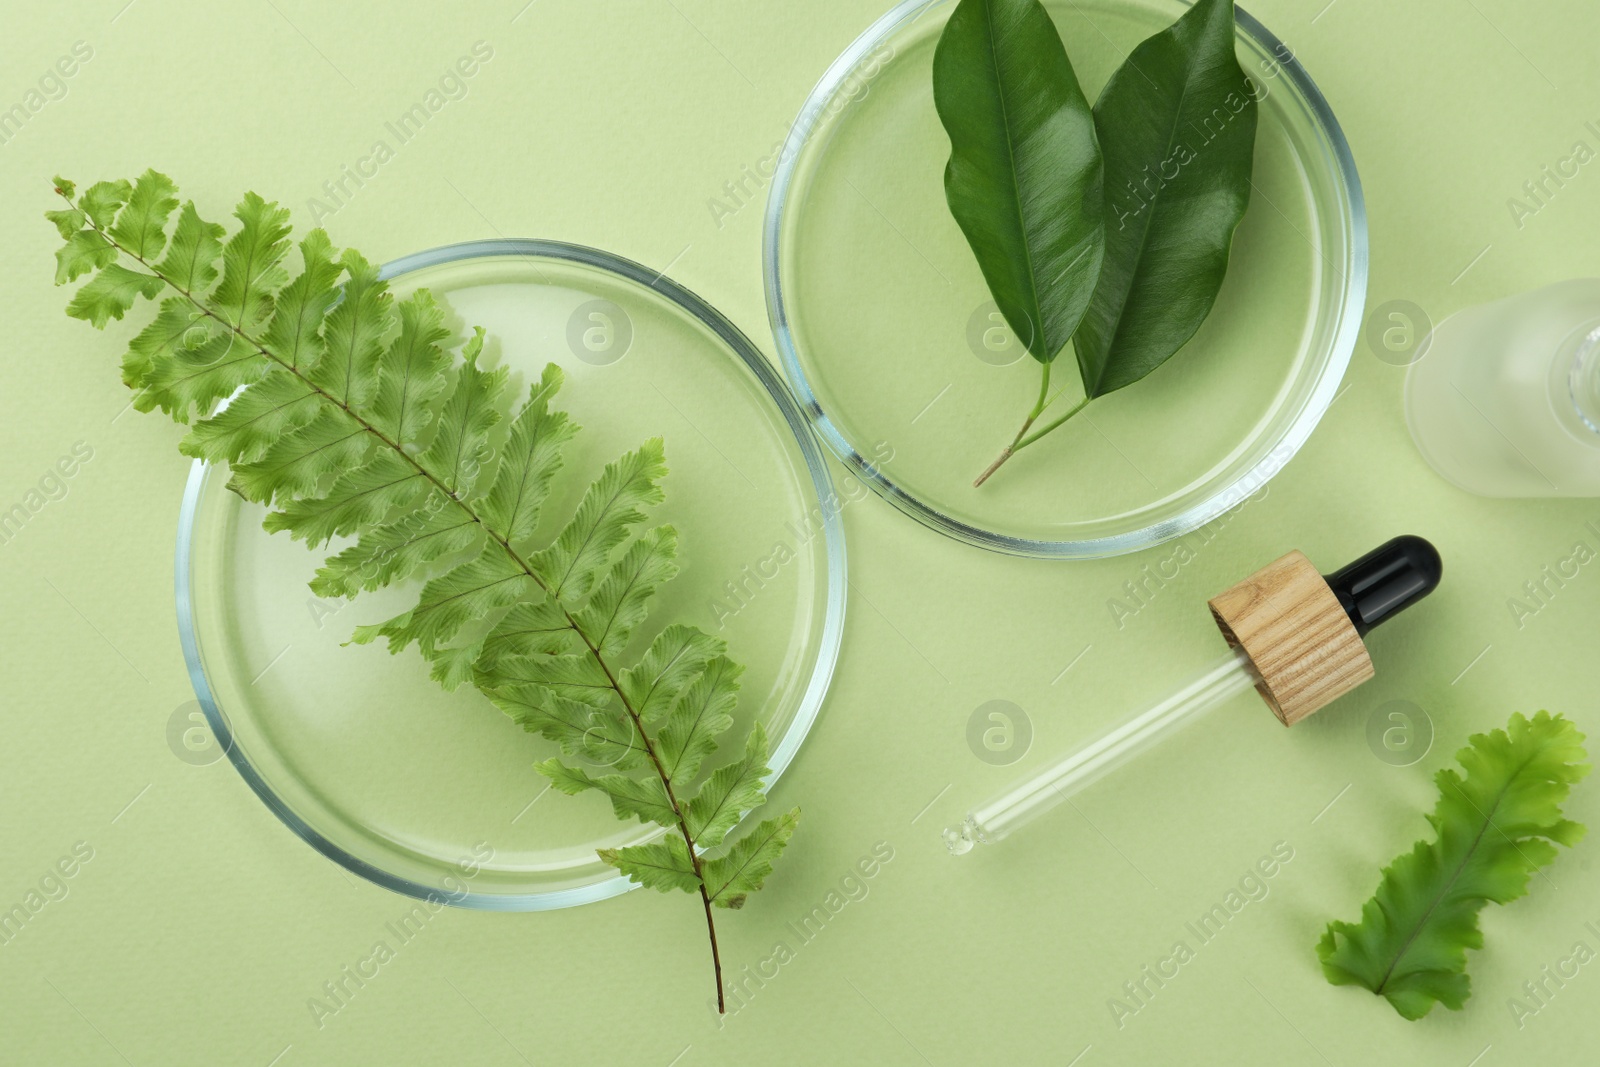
(1505, 401)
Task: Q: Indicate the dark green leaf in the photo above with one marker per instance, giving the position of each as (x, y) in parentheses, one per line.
(1024, 177)
(1177, 124)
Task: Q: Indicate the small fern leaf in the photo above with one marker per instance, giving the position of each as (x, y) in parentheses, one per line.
(571, 566)
(467, 593)
(731, 878)
(532, 457)
(293, 466)
(577, 677)
(455, 666)
(141, 225)
(176, 328)
(662, 865)
(294, 336)
(394, 551)
(580, 729)
(1493, 829)
(360, 497)
(67, 223)
(729, 793)
(529, 629)
(622, 600)
(265, 413)
(414, 371)
(353, 334)
(102, 200)
(191, 261)
(194, 379)
(702, 713)
(252, 263)
(460, 448)
(109, 294)
(641, 798)
(84, 251)
(671, 662)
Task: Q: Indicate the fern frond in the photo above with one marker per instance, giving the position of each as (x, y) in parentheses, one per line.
(572, 565)
(644, 798)
(1493, 829)
(346, 411)
(460, 450)
(730, 879)
(663, 865)
(252, 263)
(190, 265)
(294, 336)
(673, 660)
(414, 372)
(699, 715)
(730, 792)
(141, 225)
(532, 457)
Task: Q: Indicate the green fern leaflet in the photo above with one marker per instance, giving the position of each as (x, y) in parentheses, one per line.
(1493, 829)
(350, 416)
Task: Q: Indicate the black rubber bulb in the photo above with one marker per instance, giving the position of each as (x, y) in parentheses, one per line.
(1386, 581)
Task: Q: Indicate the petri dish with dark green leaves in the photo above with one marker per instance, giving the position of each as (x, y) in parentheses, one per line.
(433, 793)
(891, 341)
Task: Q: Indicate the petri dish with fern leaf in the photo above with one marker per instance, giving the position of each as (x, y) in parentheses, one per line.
(433, 793)
(888, 334)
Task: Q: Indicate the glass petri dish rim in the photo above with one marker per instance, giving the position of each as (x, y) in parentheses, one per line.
(833, 535)
(1353, 225)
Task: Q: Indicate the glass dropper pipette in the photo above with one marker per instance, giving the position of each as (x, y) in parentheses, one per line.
(1293, 635)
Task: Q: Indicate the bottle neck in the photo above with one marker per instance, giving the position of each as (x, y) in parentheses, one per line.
(1577, 387)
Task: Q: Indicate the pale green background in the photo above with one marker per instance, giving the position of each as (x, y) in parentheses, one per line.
(201, 926)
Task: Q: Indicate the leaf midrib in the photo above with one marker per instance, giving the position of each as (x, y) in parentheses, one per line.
(1433, 905)
(1016, 187)
(1144, 234)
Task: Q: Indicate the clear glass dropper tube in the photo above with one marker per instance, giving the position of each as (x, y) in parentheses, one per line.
(1060, 779)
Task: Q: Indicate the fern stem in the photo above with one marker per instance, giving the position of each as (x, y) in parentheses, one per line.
(504, 543)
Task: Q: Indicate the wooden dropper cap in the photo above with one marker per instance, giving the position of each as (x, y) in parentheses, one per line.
(1303, 633)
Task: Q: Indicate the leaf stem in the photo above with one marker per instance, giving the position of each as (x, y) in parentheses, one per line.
(1035, 435)
(633, 715)
(1024, 438)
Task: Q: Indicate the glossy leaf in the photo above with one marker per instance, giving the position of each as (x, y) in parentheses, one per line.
(1024, 177)
(1177, 125)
